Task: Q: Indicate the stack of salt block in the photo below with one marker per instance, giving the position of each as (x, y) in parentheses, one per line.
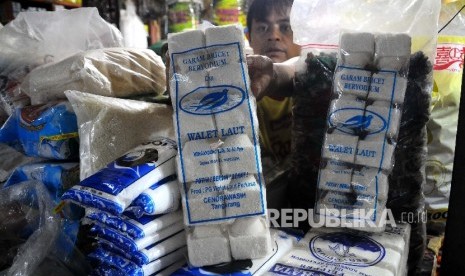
(118, 200)
(363, 123)
(219, 166)
(331, 251)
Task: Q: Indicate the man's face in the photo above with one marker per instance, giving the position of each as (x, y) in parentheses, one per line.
(273, 37)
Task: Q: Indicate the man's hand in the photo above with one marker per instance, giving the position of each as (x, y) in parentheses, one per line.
(261, 75)
(271, 79)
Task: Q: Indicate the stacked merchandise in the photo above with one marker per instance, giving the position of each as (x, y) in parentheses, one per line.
(331, 251)
(132, 203)
(219, 164)
(363, 124)
(88, 127)
(378, 136)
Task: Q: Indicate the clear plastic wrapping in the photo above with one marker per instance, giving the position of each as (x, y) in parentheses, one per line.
(319, 34)
(112, 72)
(31, 242)
(368, 91)
(108, 127)
(219, 165)
(36, 38)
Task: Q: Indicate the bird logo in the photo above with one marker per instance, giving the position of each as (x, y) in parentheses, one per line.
(360, 122)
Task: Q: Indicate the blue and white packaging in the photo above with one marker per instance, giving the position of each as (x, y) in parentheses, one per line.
(219, 165)
(131, 225)
(209, 94)
(325, 251)
(57, 177)
(161, 198)
(362, 128)
(114, 187)
(152, 252)
(109, 261)
(46, 130)
(128, 243)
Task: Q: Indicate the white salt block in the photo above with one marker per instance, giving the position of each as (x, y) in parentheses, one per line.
(357, 49)
(340, 147)
(249, 238)
(335, 179)
(239, 155)
(208, 245)
(223, 35)
(375, 154)
(202, 203)
(239, 120)
(244, 196)
(392, 51)
(352, 81)
(370, 181)
(198, 160)
(387, 86)
(346, 115)
(384, 121)
(188, 57)
(185, 88)
(181, 42)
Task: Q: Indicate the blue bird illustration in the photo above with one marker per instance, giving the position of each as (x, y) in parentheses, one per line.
(212, 100)
(358, 122)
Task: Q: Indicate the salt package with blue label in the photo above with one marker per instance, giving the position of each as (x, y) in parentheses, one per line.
(160, 198)
(219, 165)
(336, 251)
(363, 121)
(114, 187)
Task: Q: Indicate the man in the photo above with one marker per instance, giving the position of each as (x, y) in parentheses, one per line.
(270, 34)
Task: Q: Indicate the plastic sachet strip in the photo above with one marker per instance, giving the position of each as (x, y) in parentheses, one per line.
(111, 263)
(114, 187)
(150, 253)
(127, 243)
(133, 226)
(162, 197)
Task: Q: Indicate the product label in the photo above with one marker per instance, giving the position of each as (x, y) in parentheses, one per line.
(129, 168)
(361, 118)
(220, 164)
(347, 249)
(359, 123)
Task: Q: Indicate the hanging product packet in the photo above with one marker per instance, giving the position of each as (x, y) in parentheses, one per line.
(219, 165)
(442, 126)
(113, 188)
(352, 170)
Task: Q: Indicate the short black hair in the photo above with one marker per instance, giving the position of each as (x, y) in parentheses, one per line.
(260, 9)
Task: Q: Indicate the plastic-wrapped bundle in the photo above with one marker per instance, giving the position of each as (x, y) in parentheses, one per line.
(311, 100)
(408, 175)
(113, 72)
(219, 165)
(362, 126)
